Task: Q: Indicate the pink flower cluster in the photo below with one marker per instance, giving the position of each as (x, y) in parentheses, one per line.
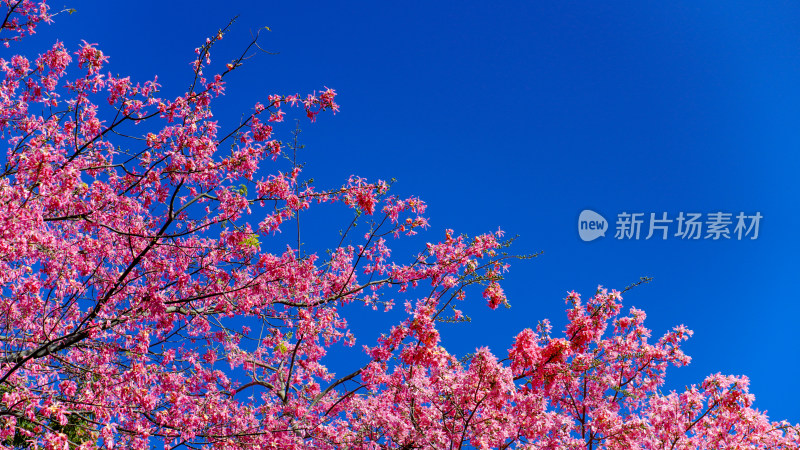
(140, 307)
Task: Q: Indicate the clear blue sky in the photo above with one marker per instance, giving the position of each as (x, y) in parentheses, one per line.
(522, 114)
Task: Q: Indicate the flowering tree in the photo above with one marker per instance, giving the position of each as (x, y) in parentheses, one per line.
(140, 308)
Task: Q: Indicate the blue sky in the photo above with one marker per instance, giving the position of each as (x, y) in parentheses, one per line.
(520, 115)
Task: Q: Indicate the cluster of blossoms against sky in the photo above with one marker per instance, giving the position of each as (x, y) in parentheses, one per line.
(141, 308)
